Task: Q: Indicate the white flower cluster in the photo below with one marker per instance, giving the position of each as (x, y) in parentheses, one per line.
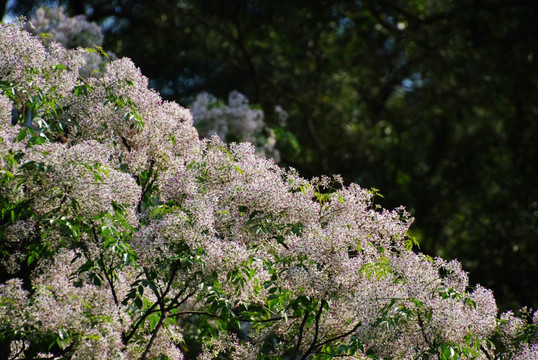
(134, 239)
(527, 353)
(52, 67)
(69, 31)
(236, 121)
(72, 32)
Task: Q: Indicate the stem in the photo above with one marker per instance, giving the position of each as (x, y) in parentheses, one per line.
(102, 263)
(109, 281)
(301, 330)
(316, 333)
(196, 312)
(138, 323)
(162, 309)
(421, 324)
(156, 330)
(339, 336)
(175, 299)
(484, 350)
(151, 310)
(147, 186)
(267, 320)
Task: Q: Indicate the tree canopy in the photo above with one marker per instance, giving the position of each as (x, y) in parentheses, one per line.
(432, 102)
(123, 235)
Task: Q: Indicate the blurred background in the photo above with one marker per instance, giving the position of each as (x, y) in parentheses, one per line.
(433, 102)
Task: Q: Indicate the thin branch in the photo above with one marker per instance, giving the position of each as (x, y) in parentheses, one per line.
(339, 336)
(301, 330)
(169, 285)
(147, 186)
(161, 298)
(139, 322)
(16, 356)
(196, 312)
(151, 310)
(204, 313)
(155, 330)
(268, 320)
(316, 332)
(174, 300)
(102, 261)
(109, 280)
(485, 351)
(421, 324)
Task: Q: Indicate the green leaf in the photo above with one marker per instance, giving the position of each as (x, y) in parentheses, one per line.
(81, 90)
(138, 303)
(22, 134)
(153, 320)
(101, 51)
(448, 352)
(238, 169)
(31, 259)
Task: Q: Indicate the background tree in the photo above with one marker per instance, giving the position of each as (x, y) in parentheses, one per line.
(433, 102)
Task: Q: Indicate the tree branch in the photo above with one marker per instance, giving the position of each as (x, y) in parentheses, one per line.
(316, 331)
(151, 310)
(104, 268)
(347, 333)
(156, 329)
(484, 350)
(145, 188)
(301, 330)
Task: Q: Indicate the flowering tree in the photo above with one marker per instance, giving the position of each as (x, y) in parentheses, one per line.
(123, 235)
